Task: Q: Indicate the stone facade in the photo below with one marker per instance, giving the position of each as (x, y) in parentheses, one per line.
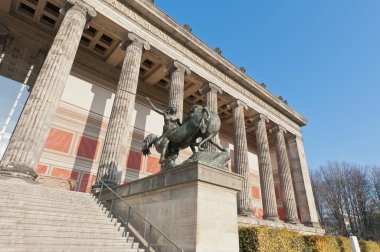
(83, 119)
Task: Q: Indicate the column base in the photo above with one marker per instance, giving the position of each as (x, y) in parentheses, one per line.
(271, 218)
(18, 172)
(311, 224)
(245, 212)
(293, 221)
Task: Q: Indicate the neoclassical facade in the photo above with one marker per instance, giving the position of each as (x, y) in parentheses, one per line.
(83, 119)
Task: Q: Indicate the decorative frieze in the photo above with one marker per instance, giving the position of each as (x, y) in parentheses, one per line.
(238, 88)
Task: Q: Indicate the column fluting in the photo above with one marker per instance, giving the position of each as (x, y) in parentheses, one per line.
(112, 160)
(287, 191)
(211, 91)
(241, 155)
(177, 72)
(265, 169)
(27, 142)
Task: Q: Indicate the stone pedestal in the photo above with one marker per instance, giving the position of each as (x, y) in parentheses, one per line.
(193, 204)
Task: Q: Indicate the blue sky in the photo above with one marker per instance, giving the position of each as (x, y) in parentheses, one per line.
(322, 56)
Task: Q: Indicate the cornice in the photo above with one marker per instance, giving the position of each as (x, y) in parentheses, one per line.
(169, 25)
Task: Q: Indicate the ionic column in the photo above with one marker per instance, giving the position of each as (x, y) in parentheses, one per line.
(112, 160)
(287, 192)
(265, 169)
(177, 72)
(302, 183)
(27, 142)
(241, 154)
(211, 91)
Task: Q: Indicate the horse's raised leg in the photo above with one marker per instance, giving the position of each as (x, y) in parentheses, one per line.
(164, 144)
(192, 147)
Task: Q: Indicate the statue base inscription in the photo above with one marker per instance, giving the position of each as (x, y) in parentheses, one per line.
(193, 204)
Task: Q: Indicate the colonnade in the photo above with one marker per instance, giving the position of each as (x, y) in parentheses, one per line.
(27, 142)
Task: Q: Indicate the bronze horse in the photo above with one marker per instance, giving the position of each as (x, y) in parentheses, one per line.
(199, 124)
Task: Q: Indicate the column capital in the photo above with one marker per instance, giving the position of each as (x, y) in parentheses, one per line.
(237, 104)
(134, 39)
(178, 66)
(294, 138)
(258, 118)
(210, 87)
(277, 129)
(81, 6)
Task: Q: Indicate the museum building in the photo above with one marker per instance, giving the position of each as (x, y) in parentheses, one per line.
(87, 59)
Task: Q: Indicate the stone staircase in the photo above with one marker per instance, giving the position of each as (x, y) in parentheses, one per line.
(35, 218)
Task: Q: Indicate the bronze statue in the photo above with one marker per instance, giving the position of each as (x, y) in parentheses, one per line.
(200, 123)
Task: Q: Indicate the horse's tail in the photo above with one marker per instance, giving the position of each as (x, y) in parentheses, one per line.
(202, 145)
(147, 144)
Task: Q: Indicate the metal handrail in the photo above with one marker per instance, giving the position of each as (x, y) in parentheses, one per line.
(126, 222)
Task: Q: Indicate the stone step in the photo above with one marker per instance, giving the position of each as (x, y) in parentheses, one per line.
(52, 197)
(54, 222)
(14, 203)
(56, 212)
(8, 242)
(23, 209)
(58, 234)
(39, 190)
(85, 198)
(71, 219)
(67, 248)
(63, 228)
(51, 215)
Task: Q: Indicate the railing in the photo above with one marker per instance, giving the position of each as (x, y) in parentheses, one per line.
(149, 236)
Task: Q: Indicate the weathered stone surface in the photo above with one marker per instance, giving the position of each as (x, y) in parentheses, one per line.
(37, 218)
(211, 91)
(213, 159)
(241, 154)
(287, 191)
(302, 184)
(265, 169)
(191, 204)
(177, 72)
(244, 221)
(27, 142)
(114, 152)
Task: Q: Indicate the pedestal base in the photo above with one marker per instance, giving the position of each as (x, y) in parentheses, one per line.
(193, 204)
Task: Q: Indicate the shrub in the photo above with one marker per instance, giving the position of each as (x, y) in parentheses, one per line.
(344, 244)
(369, 246)
(265, 239)
(248, 239)
(326, 243)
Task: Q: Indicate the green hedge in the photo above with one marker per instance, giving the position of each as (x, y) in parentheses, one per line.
(264, 239)
(369, 246)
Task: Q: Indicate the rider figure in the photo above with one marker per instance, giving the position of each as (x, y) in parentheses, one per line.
(171, 119)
